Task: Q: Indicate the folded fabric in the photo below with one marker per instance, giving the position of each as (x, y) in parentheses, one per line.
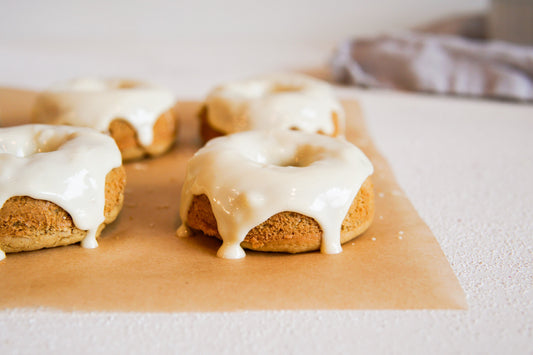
(437, 63)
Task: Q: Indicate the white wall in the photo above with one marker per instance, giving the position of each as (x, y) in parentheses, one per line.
(290, 20)
(189, 46)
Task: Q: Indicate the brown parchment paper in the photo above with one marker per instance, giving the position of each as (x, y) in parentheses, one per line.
(141, 265)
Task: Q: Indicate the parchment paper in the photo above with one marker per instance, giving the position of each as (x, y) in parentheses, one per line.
(141, 265)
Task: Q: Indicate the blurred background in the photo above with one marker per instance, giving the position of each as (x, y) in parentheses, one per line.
(189, 45)
(165, 20)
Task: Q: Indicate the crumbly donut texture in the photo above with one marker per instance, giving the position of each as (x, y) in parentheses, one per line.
(30, 224)
(288, 232)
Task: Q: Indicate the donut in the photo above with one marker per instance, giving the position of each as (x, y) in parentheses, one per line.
(139, 116)
(281, 101)
(278, 191)
(59, 185)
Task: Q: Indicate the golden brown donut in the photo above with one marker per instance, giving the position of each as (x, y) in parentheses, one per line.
(277, 190)
(286, 101)
(288, 232)
(139, 116)
(207, 132)
(59, 185)
(30, 224)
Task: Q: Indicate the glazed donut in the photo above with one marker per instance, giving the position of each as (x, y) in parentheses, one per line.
(58, 185)
(282, 101)
(280, 191)
(137, 115)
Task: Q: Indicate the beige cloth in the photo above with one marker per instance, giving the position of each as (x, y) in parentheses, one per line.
(438, 64)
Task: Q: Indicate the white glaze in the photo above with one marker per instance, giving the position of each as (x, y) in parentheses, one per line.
(95, 103)
(183, 232)
(250, 176)
(62, 164)
(282, 101)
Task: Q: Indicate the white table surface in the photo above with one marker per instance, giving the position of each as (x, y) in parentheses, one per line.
(466, 165)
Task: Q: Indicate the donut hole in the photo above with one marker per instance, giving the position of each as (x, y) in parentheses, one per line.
(304, 155)
(127, 84)
(281, 88)
(98, 85)
(300, 156)
(44, 141)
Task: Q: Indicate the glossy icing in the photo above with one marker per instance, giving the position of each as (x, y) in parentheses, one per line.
(250, 176)
(95, 103)
(62, 164)
(282, 101)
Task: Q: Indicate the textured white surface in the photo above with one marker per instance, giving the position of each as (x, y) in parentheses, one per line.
(467, 166)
